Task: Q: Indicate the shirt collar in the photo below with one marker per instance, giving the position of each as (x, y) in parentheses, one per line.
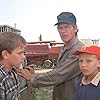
(7, 71)
(72, 43)
(95, 80)
(4, 70)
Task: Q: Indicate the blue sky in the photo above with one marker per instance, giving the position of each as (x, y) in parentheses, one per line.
(35, 17)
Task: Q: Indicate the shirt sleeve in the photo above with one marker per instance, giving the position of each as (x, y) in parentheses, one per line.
(67, 70)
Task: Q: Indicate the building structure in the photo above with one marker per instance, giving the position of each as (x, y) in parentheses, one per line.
(7, 28)
(91, 41)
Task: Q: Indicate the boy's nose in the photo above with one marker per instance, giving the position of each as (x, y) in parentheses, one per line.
(83, 64)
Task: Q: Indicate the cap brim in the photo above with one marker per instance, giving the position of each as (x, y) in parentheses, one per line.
(79, 52)
(63, 22)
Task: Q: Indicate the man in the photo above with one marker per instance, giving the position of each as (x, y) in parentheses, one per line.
(12, 47)
(64, 76)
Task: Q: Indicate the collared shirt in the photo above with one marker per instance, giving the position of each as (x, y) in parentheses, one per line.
(9, 84)
(94, 81)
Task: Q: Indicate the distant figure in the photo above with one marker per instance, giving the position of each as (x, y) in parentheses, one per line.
(11, 56)
(40, 38)
(88, 87)
(66, 73)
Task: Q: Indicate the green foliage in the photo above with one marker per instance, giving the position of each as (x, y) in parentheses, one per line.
(44, 93)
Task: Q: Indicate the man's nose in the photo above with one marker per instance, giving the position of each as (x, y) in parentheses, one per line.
(63, 31)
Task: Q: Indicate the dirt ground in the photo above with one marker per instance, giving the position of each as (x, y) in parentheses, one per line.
(42, 70)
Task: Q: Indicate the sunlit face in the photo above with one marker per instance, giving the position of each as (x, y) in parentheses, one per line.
(66, 31)
(15, 58)
(89, 64)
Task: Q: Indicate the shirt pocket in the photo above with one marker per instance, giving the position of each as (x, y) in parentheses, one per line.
(12, 95)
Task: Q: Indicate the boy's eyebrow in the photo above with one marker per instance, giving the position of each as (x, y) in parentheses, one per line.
(98, 58)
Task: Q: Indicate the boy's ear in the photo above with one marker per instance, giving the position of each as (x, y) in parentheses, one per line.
(5, 54)
(99, 65)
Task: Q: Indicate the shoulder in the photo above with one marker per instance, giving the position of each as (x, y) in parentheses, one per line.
(78, 45)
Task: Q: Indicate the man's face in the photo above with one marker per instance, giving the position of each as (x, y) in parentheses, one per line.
(16, 57)
(66, 31)
(89, 64)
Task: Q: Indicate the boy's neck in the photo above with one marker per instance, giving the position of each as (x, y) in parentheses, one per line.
(89, 78)
(6, 65)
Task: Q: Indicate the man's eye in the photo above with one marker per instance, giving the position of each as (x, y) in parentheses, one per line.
(67, 26)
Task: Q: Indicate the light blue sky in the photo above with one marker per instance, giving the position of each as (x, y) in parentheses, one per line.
(34, 17)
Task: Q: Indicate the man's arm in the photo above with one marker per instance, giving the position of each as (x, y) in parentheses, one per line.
(67, 70)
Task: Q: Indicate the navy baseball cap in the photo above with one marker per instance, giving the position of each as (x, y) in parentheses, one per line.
(66, 17)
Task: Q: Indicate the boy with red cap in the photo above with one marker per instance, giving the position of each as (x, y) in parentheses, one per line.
(88, 87)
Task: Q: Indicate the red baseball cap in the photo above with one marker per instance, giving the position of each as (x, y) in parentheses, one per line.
(93, 49)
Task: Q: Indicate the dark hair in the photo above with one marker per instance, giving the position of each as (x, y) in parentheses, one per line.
(9, 41)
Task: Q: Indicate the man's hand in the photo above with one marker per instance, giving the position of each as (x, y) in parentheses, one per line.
(30, 69)
(25, 73)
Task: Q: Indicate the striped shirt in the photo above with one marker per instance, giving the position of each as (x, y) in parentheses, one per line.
(9, 84)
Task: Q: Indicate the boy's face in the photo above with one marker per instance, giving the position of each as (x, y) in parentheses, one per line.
(89, 64)
(15, 58)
